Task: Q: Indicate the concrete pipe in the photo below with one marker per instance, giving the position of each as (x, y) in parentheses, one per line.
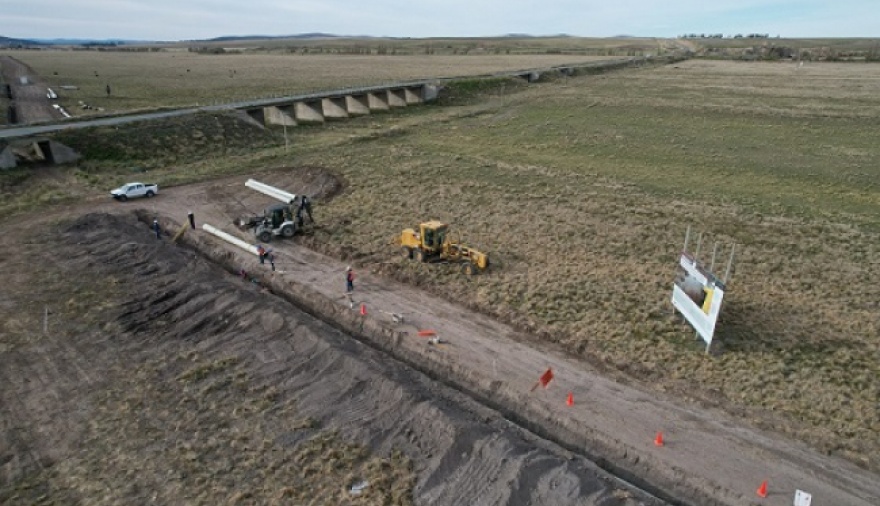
(283, 196)
(230, 239)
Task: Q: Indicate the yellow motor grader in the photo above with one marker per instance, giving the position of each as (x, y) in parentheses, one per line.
(432, 242)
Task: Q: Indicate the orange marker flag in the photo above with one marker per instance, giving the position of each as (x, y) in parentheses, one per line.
(545, 379)
(570, 401)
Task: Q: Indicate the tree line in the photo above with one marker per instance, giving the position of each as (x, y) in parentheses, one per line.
(721, 36)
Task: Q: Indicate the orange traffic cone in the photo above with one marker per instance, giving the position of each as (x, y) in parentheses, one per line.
(570, 401)
(762, 490)
(363, 310)
(658, 441)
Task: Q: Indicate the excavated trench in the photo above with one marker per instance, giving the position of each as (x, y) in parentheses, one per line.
(465, 450)
(628, 470)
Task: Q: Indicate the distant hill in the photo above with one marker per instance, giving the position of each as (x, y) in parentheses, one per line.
(10, 42)
(530, 36)
(88, 42)
(236, 38)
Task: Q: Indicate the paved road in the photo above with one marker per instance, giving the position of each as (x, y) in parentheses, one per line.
(9, 133)
(31, 104)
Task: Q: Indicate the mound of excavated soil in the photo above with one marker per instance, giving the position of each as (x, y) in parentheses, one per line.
(189, 321)
(319, 183)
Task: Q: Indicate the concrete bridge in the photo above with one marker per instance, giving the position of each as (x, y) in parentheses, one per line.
(340, 104)
(317, 108)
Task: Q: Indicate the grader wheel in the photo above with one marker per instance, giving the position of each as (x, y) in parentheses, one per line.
(406, 252)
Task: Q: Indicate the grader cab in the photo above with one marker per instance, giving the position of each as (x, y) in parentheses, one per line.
(432, 242)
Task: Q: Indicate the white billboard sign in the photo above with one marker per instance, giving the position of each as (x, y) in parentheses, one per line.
(697, 295)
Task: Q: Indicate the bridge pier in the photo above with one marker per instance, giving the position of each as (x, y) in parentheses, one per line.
(377, 101)
(334, 108)
(413, 95)
(396, 98)
(430, 92)
(279, 115)
(7, 158)
(357, 105)
(308, 112)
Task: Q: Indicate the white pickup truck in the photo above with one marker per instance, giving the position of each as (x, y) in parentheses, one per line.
(132, 190)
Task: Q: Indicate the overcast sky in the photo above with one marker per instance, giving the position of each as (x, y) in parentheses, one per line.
(200, 19)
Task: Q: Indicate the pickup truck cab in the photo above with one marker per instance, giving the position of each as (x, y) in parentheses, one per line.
(133, 190)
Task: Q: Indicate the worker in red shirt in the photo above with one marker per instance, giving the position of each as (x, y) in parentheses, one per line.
(349, 280)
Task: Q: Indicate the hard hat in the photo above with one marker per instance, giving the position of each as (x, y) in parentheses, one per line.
(348, 268)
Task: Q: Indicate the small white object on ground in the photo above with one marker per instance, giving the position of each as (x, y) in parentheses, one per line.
(359, 487)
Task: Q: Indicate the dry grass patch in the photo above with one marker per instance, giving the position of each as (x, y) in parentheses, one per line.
(582, 190)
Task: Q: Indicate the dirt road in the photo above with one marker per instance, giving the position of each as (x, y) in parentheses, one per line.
(709, 457)
(31, 104)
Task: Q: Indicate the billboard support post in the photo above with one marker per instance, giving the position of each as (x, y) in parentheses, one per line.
(687, 237)
(714, 252)
(699, 243)
(729, 263)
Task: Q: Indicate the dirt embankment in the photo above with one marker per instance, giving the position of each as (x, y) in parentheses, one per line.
(163, 378)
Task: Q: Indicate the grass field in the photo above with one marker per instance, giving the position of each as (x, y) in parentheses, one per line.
(179, 78)
(581, 191)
